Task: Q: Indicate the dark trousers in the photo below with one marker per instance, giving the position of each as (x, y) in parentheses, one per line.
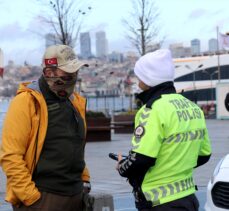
(188, 203)
(53, 202)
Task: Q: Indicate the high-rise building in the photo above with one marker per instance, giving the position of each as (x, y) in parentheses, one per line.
(195, 47)
(212, 45)
(85, 45)
(101, 45)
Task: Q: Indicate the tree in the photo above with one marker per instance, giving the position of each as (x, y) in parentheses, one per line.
(141, 25)
(65, 18)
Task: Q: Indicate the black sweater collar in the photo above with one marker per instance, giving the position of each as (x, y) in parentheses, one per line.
(157, 91)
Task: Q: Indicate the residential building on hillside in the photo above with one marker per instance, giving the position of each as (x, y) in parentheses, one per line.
(116, 57)
(179, 51)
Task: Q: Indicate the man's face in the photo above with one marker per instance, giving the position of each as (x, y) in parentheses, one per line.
(60, 82)
(142, 85)
(51, 72)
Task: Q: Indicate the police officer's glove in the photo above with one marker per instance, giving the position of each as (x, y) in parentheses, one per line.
(120, 168)
(86, 187)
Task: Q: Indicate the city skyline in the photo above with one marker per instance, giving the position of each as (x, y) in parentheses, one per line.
(178, 49)
(198, 20)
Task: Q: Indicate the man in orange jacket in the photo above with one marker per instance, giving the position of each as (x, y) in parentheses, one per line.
(43, 139)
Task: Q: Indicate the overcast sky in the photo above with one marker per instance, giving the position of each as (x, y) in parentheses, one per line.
(180, 21)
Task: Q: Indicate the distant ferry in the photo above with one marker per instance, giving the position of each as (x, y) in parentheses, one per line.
(197, 77)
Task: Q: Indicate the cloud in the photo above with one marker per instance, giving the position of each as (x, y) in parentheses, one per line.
(20, 44)
(216, 13)
(121, 45)
(23, 43)
(38, 27)
(31, 52)
(30, 57)
(12, 32)
(96, 28)
(203, 13)
(195, 14)
(204, 22)
(223, 23)
(212, 28)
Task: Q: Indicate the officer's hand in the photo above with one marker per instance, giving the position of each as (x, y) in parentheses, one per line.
(119, 159)
(86, 187)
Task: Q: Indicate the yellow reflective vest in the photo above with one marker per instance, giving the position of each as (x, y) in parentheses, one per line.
(174, 132)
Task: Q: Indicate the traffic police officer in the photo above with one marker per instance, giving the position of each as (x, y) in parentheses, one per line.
(169, 141)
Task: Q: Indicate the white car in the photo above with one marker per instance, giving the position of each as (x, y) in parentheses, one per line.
(218, 187)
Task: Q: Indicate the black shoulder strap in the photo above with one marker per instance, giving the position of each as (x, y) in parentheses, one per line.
(151, 101)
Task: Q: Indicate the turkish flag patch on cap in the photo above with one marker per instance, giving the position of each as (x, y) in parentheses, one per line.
(51, 62)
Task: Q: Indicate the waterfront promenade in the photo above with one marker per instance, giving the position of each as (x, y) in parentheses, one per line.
(105, 179)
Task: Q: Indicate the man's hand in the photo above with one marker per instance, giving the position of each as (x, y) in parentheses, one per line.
(86, 187)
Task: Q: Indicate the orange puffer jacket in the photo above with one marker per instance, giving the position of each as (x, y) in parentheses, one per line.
(26, 115)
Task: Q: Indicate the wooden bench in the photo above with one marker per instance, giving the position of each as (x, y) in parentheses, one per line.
(123, 126)
(98, 129)
(98, 133)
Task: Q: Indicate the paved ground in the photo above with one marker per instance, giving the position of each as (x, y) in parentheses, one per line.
(105, 178)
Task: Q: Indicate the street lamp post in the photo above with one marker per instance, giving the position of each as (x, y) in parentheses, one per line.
(107, 90)
(105, 100)
(194, 82)
(211, 76)
(79, 80)
(194, 79)
(129, 91)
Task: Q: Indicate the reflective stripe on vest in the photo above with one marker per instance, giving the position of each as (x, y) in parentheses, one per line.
(156, 194)
(186, 136)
